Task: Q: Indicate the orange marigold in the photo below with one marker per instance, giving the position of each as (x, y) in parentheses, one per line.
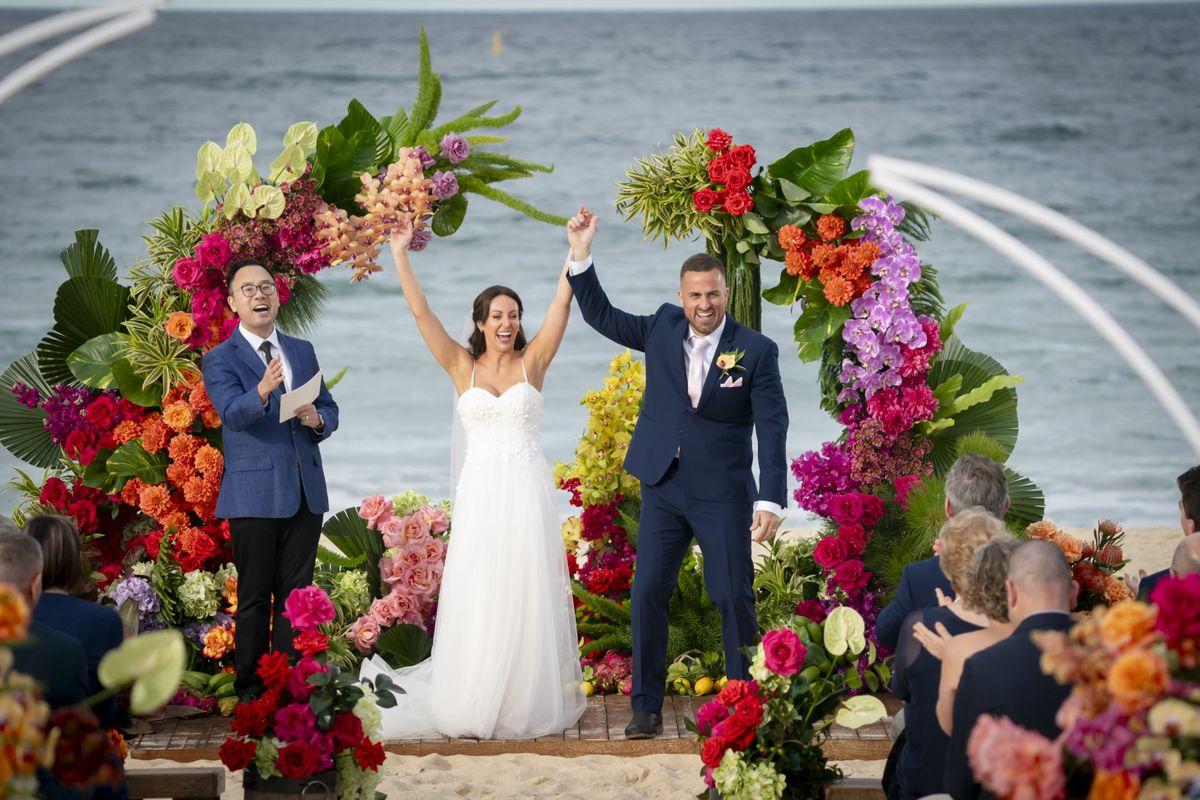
(848, 268)
(831, 226)
(180, 325)
(131, 491)
(796, 261)
(126, 431)
(155, 500)
(1137, 679)
(210, 418)
(154, 433)
(183, 447)
(199, 399)
(1127, 623)
(14, 614)
(178, 416)
(180, 472)
(838, 291)
(217, 642)
(791, 237)
(197, 490)
(865, 253)
(209, 461)
(825, 256)
(1114, 786)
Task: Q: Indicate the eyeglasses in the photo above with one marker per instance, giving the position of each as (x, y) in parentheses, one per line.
(249, 289)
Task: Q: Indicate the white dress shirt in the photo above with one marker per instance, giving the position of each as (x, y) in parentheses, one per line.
(256, 342)
(714, 338)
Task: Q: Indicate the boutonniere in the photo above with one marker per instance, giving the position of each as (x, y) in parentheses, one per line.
(729, 361)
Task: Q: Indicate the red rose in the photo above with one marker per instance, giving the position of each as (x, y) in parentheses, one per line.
(737, 179)
(704, 200)
(854, 537)
(369, 755)
(851, 576)
(846, 508)
(873, 510)
(283, 289)
(718, 140)
(737, 202)
(310, 643)
(713, 751)
(203, 547)
(100, 412)
(54, 494)
(736, 691)
(273, 669)
(783, 653)
(829, 552)
(718, 169)
(811, 610)
(77, 441)
(84, 514)
(237, 753)
(250, 719)
(347, 731)
(297, 760)
(742, 156)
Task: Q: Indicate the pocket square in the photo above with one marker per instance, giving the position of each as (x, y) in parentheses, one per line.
(731, 383)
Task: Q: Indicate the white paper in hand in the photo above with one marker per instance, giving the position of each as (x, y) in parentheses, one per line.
(300, 396)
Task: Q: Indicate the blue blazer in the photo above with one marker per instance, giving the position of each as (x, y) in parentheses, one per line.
(1149, 582)
(98, 629)
(917, 590)
(713, 439)
(266, 463)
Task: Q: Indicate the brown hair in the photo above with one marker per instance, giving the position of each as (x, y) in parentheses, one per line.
(62, 559)
(986, 574)
(702, 262)
(1189, 494)
(961, 536)
(479, 312)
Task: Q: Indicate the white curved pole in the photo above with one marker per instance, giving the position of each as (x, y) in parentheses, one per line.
(1163, 287)
(66, 21)
(71, 49)
(1060, 284)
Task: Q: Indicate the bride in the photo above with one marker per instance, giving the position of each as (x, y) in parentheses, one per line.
(505, 661)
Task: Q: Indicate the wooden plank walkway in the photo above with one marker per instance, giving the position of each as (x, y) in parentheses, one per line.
(600, 731)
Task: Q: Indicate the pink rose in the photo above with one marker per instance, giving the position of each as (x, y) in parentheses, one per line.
(188, 274)
(783, 653)
(365, 633)
(213, 251)
(382, 611)
(392, 569)
(416, 529)
(295, 722)
(393, 531)
(846, 508)
(399, 604)
(873, 510)
(854, 537)
(851, 576)
(376, 510)
(830, 552)
(421, 581)
(297, 682)
(283, 288)
(434, 518)
(811, 610)
(435, 551)
(308, 607)
(710, 714)
(1178, 601)
(206, 304)
(904, 485)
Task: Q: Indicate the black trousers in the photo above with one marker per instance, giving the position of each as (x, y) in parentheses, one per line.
(273, 556)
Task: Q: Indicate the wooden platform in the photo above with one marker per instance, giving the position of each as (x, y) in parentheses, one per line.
(601, 731)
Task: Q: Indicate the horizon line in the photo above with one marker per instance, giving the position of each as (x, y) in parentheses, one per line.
(594, 6)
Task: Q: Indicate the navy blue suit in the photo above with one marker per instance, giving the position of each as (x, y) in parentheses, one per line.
(1005, 680)
(918, 589)
(709, 491)
(1148, 583)
(272, 491)
(97, 628)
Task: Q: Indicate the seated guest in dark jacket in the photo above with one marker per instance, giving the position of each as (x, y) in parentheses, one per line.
(1189, 521)
(1006, 679)
(98, 628)
(922, 760)
(973, 480)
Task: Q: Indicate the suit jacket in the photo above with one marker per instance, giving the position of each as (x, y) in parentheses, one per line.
(917, 590)
(713, 439)
(1004, 680)
(56, 661)
(97, 628)
(1148, 583)
(266, 463)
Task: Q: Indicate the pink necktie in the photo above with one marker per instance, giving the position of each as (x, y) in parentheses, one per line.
(696, 369)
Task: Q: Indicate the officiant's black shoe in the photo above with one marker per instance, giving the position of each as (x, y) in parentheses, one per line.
(644, 725)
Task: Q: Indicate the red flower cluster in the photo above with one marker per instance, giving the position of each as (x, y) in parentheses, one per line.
(730, 721)
(840, 555)
(729, 170)
(843, 267)
(99, 517)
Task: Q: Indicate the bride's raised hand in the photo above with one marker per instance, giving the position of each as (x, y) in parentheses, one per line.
(581, 229)
(402, 234)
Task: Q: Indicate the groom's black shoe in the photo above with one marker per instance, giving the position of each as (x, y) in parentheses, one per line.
(644, 725)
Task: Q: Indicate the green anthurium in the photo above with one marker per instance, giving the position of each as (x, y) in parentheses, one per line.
(208, 158)
(289, 165)
(268, 200)
(238, 199)
(236, 164)
(302, 135)
(242, 136)
(845, 631)
(152, 662)
(861, 710)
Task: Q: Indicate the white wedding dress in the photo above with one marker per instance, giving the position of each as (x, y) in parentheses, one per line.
(505, 660)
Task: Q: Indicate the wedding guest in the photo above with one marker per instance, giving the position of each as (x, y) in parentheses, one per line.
(916, 673)
(983, 593)
(97, 628)
(273, 487)
(1189, 521)
(973, 480)
(1006, 679)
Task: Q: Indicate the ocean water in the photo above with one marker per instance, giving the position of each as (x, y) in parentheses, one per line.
(1093, 111)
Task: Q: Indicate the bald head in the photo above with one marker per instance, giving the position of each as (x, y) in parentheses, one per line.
(1186, 560)
(1039, 579)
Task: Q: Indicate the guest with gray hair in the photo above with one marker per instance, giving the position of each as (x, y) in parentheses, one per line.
(973, 480)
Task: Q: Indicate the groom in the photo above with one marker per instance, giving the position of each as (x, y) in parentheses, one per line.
(709, 382)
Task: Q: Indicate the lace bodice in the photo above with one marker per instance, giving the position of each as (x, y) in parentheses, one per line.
(499, 429)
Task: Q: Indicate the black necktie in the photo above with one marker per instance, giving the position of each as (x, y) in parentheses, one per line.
(265, 349)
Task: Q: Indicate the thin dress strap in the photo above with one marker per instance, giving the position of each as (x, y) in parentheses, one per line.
(473, 363)
(524, 374)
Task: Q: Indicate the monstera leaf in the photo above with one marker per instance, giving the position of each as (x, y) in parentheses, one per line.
(92, 362)
(85, 307)
(818, 167)
(22, 429)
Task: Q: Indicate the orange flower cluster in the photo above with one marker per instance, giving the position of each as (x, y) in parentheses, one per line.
(218, 641)
(180, 325)
(229, 592)
(14, 614)
(842, 267)
(1093, 564)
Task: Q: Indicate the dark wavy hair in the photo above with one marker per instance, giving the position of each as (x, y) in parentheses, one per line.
(480, 311)
(1189, 494)
(62, 559)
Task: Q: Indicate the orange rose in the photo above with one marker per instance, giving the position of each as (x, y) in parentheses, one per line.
(217, 642)
(180, 325)
(1137, 679)
(1127, 623)
(178, 416)
(14, 614)
(1072, 548)
(1043, 530)
(1114, 786)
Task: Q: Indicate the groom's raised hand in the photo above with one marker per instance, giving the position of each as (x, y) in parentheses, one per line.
(581, 229)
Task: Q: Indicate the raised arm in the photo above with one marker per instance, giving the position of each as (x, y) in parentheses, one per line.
(541, 349)
(627, 330)
(452, 356)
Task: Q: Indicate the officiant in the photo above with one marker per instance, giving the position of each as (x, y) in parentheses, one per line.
(273, 487)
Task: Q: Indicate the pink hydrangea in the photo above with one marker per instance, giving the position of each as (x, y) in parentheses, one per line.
(307, 608)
